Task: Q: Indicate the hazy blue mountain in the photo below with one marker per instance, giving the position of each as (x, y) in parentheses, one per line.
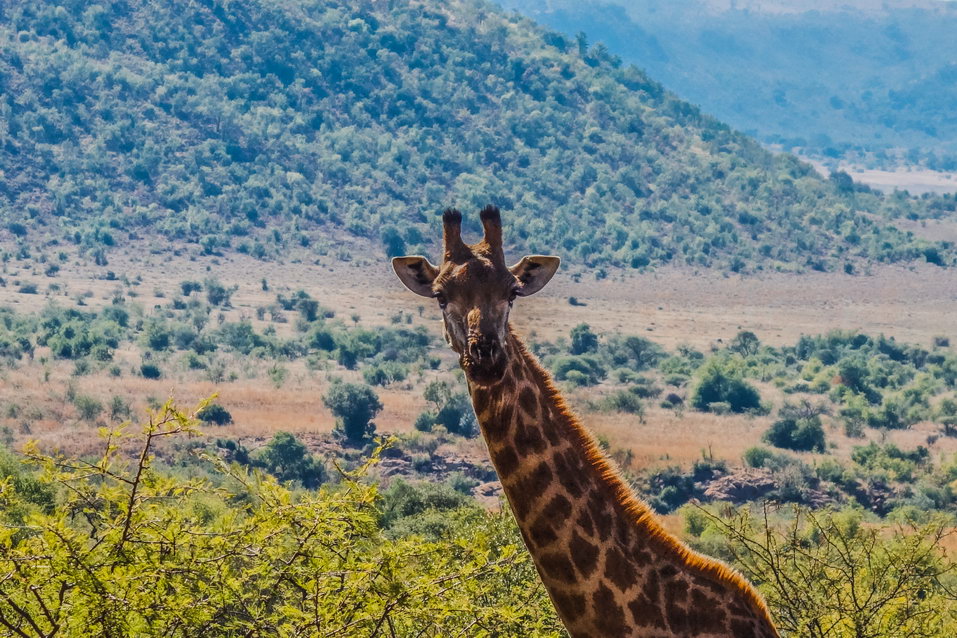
(865, 79)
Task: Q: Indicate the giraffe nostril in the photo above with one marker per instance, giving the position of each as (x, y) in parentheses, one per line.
(484, 348)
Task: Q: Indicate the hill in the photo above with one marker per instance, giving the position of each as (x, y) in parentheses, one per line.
(869, 82)
(264, 127)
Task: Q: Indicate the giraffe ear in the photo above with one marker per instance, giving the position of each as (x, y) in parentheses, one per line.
(534, 271)
(416, 273)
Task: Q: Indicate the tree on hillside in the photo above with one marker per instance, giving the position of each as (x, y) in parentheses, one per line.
(798, 427)
(721, 383)
(354, 405)
(745, 343)
(583, 339)
(451, 410)
(286, 458)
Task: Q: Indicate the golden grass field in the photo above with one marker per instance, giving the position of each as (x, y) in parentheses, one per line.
(671, 306)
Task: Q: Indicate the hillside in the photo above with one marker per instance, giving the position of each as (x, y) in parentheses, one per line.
(868, 82)
(267, 128)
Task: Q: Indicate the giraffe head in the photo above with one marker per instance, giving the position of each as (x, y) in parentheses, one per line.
(475, 290)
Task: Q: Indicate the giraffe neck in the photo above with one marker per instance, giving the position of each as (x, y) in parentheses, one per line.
(609, 567)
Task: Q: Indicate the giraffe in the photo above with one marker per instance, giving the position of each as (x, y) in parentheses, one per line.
(610, 568)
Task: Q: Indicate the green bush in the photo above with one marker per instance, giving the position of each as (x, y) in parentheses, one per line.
(796, 430)
(583, 339)
(150, 371)
(720, 383)
(589, 369)
(451, 410)
(287, 458)
(89, 408)
(258, 545)
(624, 401)
(354, 405)
(757, 456)
(215, 414)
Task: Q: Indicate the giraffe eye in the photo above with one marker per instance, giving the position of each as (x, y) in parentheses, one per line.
(441, 299)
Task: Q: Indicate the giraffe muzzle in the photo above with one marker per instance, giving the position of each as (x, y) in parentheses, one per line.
(483, 349)
(484, 360)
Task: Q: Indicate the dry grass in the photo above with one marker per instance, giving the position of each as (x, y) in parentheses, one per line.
(671, 306)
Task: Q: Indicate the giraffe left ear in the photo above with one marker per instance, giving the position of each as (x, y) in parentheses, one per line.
(534, 271)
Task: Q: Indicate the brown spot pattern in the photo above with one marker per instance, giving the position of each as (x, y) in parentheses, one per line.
(645, 612)
(543, 530)
(609, 616)
(618, 570)
(584, 523)
(528, 402)
(506, 462)
(571, 604)
(528, 439)
(584, 554)
(497, 427)
(557, 567)
(600, 515)
(530, 489)
(480, 400)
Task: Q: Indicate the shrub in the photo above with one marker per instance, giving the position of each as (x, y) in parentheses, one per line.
(17, 229)
(384, 373)
(157, 335)
(403, 500)
(583, 340)
(217, 294)
(745, 343)
(669, 489)
(718, 383)
(451, 410)
(215, 414)
(673, 399)
(354, 405)
(392, 241)
(757, 456)
(89, 408)
(796, 430)
(287, 458)
(150, 371)
(625, 401)
(320, 338)
(189, 287)
(641, 353)
(580, 370)
(119, 409)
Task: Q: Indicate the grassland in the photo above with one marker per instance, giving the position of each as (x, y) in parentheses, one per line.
(672, 307)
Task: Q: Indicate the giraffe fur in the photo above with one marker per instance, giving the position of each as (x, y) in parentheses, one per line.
(610, 568)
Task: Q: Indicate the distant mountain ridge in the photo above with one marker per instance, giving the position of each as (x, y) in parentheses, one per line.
(866, 81)
(258, 127)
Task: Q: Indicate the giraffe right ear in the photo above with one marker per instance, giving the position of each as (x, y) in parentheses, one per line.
(416, 273)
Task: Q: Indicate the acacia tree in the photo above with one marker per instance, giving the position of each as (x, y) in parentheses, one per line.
(831, 575)
(130, 551)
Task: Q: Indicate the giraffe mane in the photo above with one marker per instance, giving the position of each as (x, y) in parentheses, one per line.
(635, 508)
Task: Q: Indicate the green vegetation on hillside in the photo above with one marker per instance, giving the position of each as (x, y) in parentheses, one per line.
(262, 127)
